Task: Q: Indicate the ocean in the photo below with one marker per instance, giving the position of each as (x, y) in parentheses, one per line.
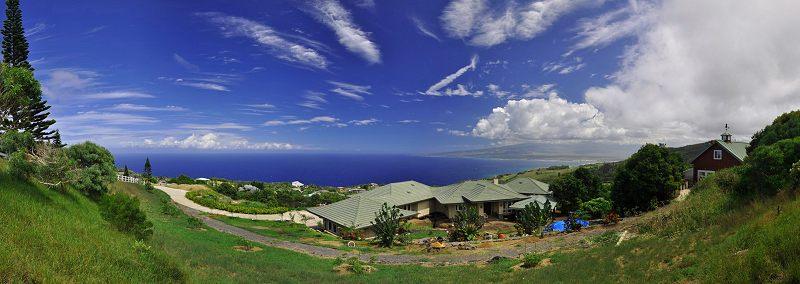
(325, 169)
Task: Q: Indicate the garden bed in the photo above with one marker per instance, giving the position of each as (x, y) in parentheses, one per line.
(212, 199)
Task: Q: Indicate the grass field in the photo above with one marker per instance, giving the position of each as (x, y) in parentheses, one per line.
(48, 236)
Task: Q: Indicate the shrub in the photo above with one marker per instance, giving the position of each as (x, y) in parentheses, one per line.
(387, 224)
(532, 259)
(533, 218)
(124, 214)
(785, 126)
(97, 168)
(226, 189)
(194, 222)
(571, 223)
(351, 233)
(149, 187)
(212, 199)
(767, 169)
(19, 167)
(596, 208)
(53, 166)
(466, 224)
(168, 208)
(13, 141)
(244, 243)
(182, 179)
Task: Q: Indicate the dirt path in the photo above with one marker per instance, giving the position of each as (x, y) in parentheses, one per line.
(483, 255)
(179, 196)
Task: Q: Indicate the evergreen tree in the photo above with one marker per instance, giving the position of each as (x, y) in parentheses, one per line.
(126, 172)
(15, 46)
(148, 171)
(57, 140)
(36, 122)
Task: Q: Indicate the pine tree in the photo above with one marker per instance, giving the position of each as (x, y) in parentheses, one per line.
(126, 172)
(57, 140)
(36, 121)
(15, 46)
(148, 171)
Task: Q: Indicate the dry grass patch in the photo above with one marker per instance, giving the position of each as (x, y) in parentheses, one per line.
(247, 248)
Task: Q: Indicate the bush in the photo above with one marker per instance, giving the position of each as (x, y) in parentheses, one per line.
(97, 168)
(13, 141)
(227, 189)
(574, 188)
(768, 168)
(194, 222)
(182, 179)
(466, 224)
(149, 187)
(124, 214)
(19, 167)
(785, 126)
(532, 259)
(212, 199)
(596, 208)
(168, 208)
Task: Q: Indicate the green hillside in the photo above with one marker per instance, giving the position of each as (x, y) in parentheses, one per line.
(47, 236)
(689, 152)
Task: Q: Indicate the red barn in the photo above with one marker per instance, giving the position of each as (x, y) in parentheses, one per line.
(720, 154)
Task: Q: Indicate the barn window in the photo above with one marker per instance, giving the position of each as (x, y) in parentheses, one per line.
(717, 154)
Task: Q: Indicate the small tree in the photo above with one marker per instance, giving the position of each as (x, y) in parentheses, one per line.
(466, 224)
(596, 208)
(97, 168)
(533, 218)
(387, 224)
(650, 176)
(125, 172)
(148, 170)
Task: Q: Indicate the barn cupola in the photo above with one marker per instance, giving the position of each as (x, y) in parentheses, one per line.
(726, 136)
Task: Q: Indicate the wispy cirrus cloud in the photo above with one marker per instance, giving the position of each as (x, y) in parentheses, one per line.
(352, 91)
(351, 36)
(423, 29)
(203, 85)
(282, 47)
(481, 24)
(185, 63)
(363, 122)
(614, 25)
(135, 107)
(71, 84)
(314, 100)
(434, 90)
(215, 126)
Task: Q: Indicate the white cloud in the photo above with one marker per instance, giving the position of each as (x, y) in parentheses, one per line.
(215, 126)
(314, 100)
(337, 18)
(364, 122)
(433, 90)
(424, 29)
(203, 85)
(457, 132)
(185, 63)
(461, 91)
(486, 26)
(118, 95)
(283, 48)
(135, 107)
(409, 121)
(289, 121)
(694, 69)
(551, 119)
(104, 118)
(350, 90)
(614, 25)
(260, 106)
(216, 141)
(496, 91)
(564, 67)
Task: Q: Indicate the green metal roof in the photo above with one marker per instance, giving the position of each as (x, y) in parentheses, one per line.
(541, 199)
(737, 149)
(357, 211)
(400, 193)
(474, 191)
(528, 186)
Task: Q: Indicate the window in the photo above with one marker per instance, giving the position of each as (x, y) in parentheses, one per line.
(460, 207)
(701, 174)
(717, 154)
(408, 207)
(504, 207)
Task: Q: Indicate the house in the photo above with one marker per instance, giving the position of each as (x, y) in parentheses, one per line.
(202, 180)
(720, 154)
(297, 184)
(417, 200)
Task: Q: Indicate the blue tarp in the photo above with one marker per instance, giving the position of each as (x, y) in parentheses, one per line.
(558, 226)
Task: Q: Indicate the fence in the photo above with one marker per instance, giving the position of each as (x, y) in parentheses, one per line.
(128, 179)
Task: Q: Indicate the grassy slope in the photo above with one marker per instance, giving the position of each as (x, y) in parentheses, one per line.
(58, 237)
(55, 237)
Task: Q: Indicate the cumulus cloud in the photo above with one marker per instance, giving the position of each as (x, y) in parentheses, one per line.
(284, 48)
(483, 25)
(337, 18)
(216, 141)
(434, 90)
(547, 119)
(694, 69)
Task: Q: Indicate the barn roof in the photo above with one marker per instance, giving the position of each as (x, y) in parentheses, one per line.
(737, 149)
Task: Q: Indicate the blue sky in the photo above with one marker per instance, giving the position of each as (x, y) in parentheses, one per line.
(401, 76)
